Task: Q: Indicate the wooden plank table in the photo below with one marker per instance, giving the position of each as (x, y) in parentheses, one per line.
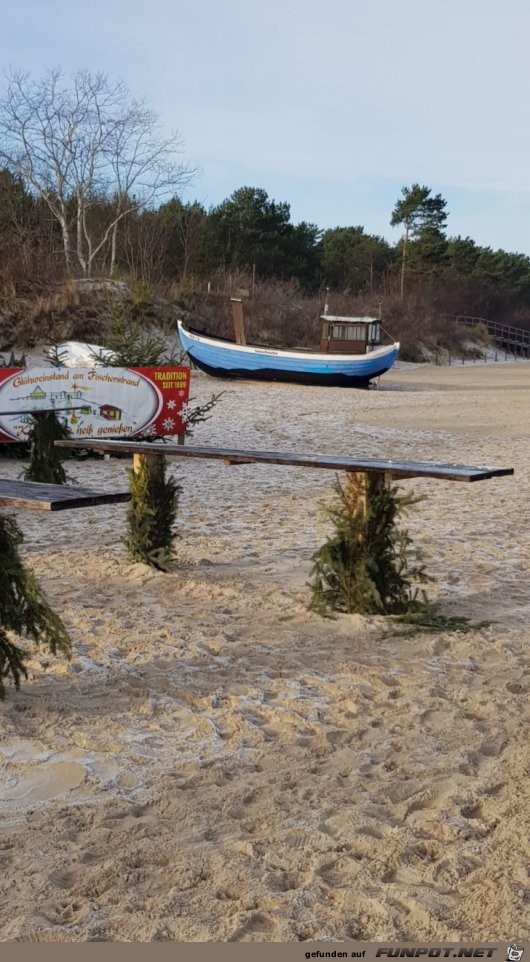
(390, 469)
(54, 497)
(366, 478)
(10, 414)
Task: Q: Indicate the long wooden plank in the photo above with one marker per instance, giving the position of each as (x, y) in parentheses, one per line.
(397, 469)
(75, 407)
(54, 497)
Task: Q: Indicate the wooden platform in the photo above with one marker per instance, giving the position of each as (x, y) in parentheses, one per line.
(392, 469)
(54, 497)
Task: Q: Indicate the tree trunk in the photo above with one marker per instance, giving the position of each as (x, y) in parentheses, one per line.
(87, 265)
(403, 257)
(66, 244)
(113, 248)
(79, 225)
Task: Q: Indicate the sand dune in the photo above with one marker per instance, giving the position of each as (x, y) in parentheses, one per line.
(219, 764)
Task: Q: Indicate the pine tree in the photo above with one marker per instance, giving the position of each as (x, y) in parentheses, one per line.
(422, 216)
(367, 565)
(152, 512)
(46, 461)
(24, 610)
(135, 341)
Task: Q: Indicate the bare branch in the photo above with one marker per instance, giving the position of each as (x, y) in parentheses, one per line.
(82, 142)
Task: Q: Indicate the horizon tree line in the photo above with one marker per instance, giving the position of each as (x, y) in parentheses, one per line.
(91, 186)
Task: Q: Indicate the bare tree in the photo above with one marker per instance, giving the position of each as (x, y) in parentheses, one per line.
(144, 242)
(82, 144)
(191, 222)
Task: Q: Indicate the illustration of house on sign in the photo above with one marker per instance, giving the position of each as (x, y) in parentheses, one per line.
(110, 412)
(37, 394)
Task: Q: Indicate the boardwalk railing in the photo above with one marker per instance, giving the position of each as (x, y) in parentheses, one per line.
(513, 339)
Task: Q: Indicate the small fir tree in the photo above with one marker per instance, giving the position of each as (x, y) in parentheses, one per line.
(46, 460)
(24, 610)
(152, 512)
(368, 564)
(134, 341)
(131, 336)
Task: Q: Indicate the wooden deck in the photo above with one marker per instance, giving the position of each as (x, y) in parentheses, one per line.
(392, 469)
(54, 497)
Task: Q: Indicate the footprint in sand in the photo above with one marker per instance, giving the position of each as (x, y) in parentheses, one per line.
(61, 879)
(43, 784)
(254, 929)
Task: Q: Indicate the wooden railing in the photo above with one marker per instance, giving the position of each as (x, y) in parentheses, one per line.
(509, 338)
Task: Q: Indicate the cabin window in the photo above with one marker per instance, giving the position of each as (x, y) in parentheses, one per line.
(374, 333)
(349, 332)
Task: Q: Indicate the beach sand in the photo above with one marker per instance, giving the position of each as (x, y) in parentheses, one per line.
(217, 763)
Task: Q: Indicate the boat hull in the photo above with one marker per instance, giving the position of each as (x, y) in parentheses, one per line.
(290, 377)
(223, 359)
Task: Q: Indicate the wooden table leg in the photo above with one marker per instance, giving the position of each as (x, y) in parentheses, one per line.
(152, 511)
(360, 489)
(153, 463)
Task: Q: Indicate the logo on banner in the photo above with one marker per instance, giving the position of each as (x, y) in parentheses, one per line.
(514, 952)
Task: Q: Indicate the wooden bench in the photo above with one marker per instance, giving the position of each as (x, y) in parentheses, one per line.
(54, 497)
(388, 469)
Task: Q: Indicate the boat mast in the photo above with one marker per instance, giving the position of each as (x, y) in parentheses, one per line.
(326, 327)
(326, 305)
(238, 320)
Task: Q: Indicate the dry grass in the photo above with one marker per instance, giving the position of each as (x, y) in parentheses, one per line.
(63, 300)
(276, 313)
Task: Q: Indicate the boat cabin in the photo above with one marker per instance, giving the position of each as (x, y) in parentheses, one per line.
(349, 335)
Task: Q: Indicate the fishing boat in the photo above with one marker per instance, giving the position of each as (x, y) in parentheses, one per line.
(351, 354)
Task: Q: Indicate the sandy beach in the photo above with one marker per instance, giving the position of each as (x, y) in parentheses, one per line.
(218, 763)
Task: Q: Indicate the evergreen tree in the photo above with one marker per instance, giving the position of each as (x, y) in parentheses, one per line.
(423, 218)
(185, 230)
(368, 564)
(352, 260)
(24, 610)
(152, 512)
(46, 460)
(251, 232)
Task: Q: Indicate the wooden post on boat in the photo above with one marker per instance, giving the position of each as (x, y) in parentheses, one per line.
(238, 319)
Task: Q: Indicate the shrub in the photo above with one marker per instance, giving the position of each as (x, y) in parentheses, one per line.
(46, 461)
(23, 609)
(368, 564)
(152, 512)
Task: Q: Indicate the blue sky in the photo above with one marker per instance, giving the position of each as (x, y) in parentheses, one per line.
(332, 106)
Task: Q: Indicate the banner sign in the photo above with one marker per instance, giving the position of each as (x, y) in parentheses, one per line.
(263, 951)
(96, 402)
